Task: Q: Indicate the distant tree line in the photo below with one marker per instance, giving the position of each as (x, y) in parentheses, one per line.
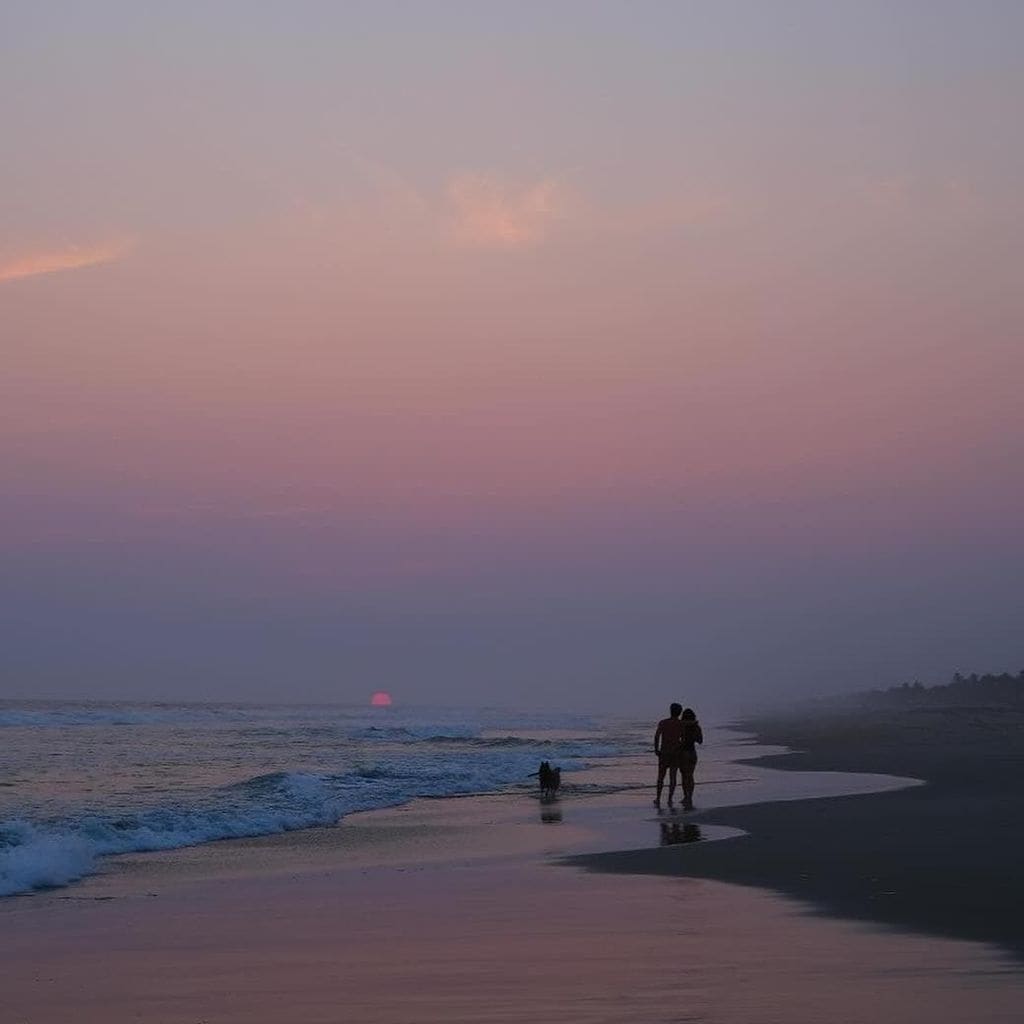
(1005, 689)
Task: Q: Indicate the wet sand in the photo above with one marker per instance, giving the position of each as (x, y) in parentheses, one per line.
(483, 943)
(941, 859)
(464, 910)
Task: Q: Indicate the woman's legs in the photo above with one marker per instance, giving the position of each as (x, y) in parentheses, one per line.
(687, 771)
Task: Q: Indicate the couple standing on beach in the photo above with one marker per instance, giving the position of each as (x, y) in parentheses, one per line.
(675, 743)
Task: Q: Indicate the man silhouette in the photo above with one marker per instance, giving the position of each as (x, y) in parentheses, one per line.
(668, 742)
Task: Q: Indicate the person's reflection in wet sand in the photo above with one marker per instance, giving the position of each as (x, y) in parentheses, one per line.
(550, 810)
(673, 833)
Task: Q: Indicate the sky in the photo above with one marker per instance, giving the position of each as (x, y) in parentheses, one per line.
(581, 354)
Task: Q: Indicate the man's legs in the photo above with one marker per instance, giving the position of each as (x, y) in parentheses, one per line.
(672, 772)
(662, 768)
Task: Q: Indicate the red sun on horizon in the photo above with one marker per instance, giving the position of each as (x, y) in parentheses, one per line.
(381, 699)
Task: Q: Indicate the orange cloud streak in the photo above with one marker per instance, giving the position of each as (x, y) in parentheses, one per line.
(70, 257)
(490, 213)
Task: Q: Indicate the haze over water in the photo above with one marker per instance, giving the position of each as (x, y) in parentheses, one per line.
(588, 356)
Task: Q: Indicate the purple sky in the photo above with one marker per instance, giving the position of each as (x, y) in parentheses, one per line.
(586, 354)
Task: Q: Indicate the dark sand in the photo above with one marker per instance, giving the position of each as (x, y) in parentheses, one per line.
(942, 859)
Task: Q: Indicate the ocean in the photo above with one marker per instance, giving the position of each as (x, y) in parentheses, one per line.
(84, 781)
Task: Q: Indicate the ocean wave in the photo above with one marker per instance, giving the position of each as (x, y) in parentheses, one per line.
(462, 737)
(41, 854)
(432, 732)
(32, 858)
(64, 716)
(163, 775)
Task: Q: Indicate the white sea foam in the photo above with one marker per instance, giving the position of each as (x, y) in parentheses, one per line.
(40, 860)
(39, 855)
(384, 766)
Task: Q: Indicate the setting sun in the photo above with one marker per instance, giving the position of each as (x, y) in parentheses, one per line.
(381, 699)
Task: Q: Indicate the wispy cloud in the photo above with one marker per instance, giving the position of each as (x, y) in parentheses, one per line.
(471, 210)
(487, 212)
(68, 257)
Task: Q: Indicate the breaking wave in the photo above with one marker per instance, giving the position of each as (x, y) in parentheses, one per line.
(48, 851)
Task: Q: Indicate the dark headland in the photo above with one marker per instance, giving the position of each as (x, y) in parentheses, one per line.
(946, 858)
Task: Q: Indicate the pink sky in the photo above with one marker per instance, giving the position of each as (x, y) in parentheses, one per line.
(712, 312)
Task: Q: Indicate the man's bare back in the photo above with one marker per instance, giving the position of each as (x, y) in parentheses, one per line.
(668, 742)
(670, 732)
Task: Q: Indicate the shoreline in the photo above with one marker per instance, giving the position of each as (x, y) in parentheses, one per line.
(603, 809)
(463, 910)
(170, 779)
(937, 859)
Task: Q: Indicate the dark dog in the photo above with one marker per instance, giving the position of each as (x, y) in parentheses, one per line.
(549, 778)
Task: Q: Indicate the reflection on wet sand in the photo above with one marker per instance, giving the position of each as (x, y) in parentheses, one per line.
(550, 810)
(446, 943)
(675, 832)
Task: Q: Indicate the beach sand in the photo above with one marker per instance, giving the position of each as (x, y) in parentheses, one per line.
(465, 910)
(943, 858)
